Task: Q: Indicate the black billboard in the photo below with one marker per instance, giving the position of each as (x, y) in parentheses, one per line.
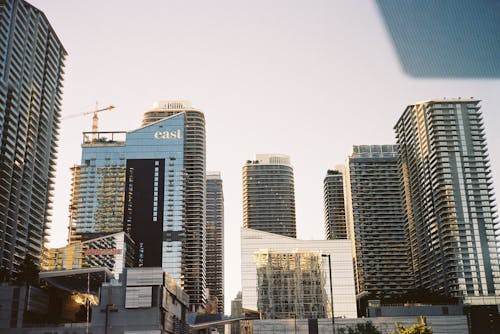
(143, 217)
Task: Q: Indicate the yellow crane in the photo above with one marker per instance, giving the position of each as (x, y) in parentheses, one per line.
(95, 118)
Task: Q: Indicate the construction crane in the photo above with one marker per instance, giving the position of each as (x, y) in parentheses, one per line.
(95, 118)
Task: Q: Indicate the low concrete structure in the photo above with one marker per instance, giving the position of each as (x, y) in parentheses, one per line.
(439, 325)
(148, 300)
(414, 310)
(145, 301)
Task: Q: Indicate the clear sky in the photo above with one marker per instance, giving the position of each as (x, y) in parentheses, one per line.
(304, 78)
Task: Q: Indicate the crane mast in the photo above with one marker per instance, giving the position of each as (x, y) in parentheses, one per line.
(95, 117)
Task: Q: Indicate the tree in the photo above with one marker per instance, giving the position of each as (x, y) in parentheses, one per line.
(363, 328)
(420, 328)
(4, 275)
(28, 272)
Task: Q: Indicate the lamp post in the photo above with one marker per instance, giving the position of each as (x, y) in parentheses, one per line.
(331, 289)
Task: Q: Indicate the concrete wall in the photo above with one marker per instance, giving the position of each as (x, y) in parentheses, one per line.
(131, 319)
(406, 311)
(10, 306)
(439, 324)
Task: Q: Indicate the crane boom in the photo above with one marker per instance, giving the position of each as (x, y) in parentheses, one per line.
(95, 118)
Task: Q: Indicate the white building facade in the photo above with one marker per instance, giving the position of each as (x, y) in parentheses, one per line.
(256, 244)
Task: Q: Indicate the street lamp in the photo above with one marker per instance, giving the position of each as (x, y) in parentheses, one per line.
(331, 289)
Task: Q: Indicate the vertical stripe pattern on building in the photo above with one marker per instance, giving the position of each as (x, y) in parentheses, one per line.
(215, 238)
(333, 191)
(448, 194)
(375, 220)
(31, 75)
(269, 195)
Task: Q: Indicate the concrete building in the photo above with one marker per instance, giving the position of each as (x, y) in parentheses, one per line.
(269, 195)
(449, 208)
(481, 319)
(147, 300)
(386, 325)
(31, 75)
(215, 238)
(150, 183)
(144, 300)
(375, 220)
(274, 269)
(333, 192)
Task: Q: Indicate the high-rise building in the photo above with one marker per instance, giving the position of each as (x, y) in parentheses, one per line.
(283, 277)
(149, 182)
(333, 190)
(448, 197)
(215, 238)
(375, 220)
(269, 195)
(31, 75)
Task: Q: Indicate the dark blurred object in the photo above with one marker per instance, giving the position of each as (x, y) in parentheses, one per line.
(445, 38)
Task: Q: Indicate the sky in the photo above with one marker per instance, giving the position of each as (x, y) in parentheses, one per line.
(304, 78)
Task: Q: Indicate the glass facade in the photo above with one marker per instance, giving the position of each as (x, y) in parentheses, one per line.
(114, 251)
(291, 285)
(375, 220)
(280, 276)
(97, 201)
(109, 196)
(149, 182)
(152, 142)
(448, 198)
(31, 75)
(269, 195)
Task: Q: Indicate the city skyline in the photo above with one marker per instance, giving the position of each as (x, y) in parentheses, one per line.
(299, 87)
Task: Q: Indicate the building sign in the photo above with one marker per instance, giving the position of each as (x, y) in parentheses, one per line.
(108, 251)
(175, 134)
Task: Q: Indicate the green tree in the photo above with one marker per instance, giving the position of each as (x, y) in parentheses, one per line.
(420, 328)
(364, 328)
(28, 272)
(4, 275)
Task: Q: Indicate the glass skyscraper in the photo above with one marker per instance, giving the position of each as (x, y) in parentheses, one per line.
(148, 183)
(448, 197)
(375, 220)
(269, 195)
(31, 75)
(215, 238)
(333, 191)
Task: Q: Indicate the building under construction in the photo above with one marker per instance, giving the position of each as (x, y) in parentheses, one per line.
(291, 285)
(150, 183)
